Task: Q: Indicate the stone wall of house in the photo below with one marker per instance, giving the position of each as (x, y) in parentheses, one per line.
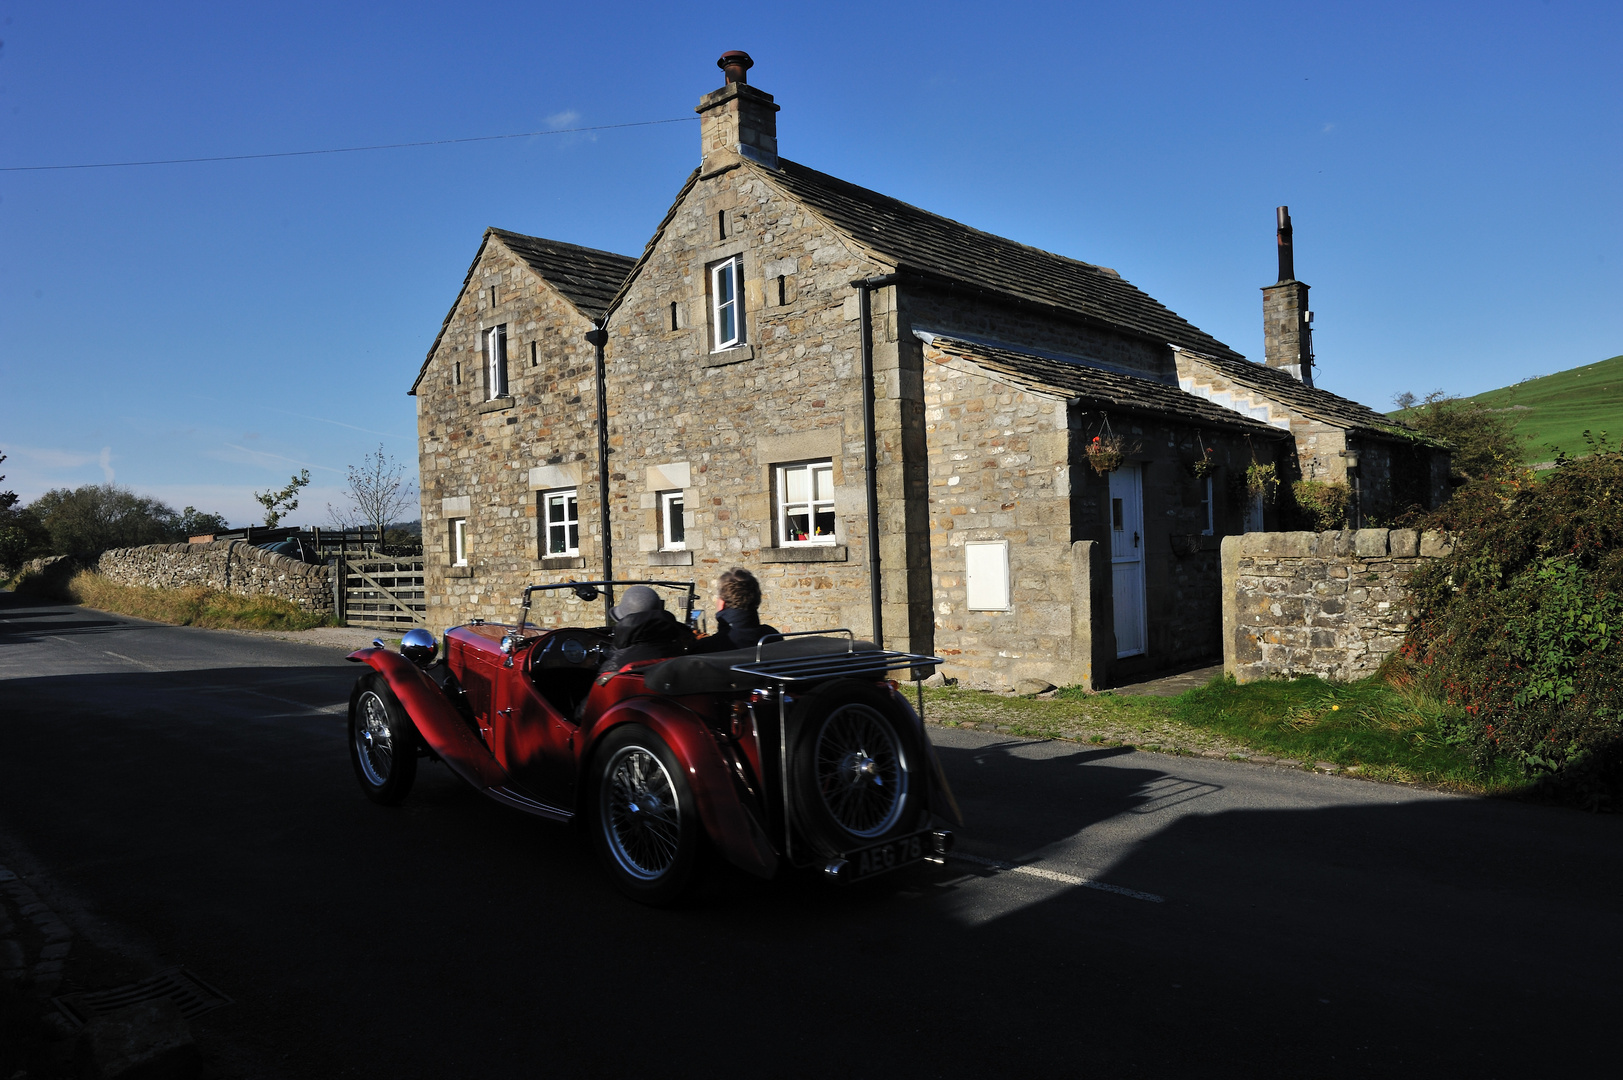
(970, 317)
(683, 417)
(1331, 604)
(999, 473)
(226, 565)
(491, 460)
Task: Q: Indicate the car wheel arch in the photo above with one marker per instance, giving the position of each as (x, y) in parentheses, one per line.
(727, 823)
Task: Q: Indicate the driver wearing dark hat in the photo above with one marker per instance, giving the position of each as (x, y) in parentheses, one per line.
(644, 630)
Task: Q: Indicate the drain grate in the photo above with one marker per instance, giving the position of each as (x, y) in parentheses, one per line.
(191, 995)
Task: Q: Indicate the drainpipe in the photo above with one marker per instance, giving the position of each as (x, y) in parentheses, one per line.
(597, 336)
(870, 444)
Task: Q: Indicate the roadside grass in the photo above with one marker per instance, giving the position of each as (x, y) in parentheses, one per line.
(1381, 731)
(207, 608)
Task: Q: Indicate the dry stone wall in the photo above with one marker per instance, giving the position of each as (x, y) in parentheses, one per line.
(1332, 604)
(226, 565)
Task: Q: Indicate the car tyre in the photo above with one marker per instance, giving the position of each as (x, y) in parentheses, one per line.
(645, 824)
(856, 771)
(382, 742)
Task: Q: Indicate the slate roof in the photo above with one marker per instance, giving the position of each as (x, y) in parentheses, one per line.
(1100, 387)
(915, 239)
(1310, 401)
(586, 277)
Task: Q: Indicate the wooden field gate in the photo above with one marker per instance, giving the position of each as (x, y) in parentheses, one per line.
(380, 591)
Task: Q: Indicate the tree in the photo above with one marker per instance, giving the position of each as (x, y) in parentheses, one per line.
(378, 493)
(90, 519)
(22, 536)
(278, 504)
(193, 522)
(1486, 446)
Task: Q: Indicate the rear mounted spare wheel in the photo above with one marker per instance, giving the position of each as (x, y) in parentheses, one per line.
(855, 768)
(645, 825)
(382, 742)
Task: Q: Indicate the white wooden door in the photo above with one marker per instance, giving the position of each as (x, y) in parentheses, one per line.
(1127, 558)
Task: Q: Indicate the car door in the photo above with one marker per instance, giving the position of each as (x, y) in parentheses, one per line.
(529, 738)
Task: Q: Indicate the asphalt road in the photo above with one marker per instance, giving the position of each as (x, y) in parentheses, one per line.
(184, 797)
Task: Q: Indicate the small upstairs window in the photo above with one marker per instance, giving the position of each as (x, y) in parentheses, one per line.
(496, 362)
(727, 303)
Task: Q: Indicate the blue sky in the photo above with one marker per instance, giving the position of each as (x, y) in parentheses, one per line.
(198, 332)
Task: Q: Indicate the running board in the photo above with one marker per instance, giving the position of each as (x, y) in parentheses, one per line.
(528, 805)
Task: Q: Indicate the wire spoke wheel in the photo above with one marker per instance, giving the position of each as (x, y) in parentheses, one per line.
(641, 813)
(374, 739)
(861, 770)
(383, 741)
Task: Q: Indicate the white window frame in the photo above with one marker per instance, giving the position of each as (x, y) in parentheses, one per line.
(812, 503)
(563, 521)
(729, 272)
(459, 541)
(496, 362)
(671, 508)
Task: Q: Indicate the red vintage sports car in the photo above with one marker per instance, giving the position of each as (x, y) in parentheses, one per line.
(797, 752)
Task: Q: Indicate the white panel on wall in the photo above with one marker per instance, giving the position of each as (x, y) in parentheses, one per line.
(986, 574)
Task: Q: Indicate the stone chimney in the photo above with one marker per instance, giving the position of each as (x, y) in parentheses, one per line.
(1287, 324)
(737, 120)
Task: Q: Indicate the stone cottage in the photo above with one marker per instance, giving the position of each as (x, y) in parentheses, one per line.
(939, 438)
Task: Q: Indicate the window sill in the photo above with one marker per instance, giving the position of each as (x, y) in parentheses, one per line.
(497, 404)
(670, 558)
(736, 355)
(459, 571)
(562, 562)
(809, 553)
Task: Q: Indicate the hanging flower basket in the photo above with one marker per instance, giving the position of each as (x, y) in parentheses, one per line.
(1105, 453)
(1204, 466)
(1262, 480)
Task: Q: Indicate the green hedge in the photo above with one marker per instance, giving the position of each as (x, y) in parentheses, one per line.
(1519, 625)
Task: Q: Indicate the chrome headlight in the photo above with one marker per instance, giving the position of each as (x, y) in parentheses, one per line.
(418, 646)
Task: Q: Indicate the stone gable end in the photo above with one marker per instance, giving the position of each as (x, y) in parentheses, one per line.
(478, 457)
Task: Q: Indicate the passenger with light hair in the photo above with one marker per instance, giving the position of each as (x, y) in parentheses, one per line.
(738, 623)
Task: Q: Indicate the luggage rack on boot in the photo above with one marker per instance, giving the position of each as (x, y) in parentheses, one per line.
(796, 669)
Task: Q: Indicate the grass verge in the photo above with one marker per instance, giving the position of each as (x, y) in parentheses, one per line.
(1370, 727)
(202, 607)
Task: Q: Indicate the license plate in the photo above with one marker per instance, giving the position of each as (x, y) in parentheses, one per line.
(885, 857)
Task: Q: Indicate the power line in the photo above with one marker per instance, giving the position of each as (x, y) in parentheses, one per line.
(340, 149)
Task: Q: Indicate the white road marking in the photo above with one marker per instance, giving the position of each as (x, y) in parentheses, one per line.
(1055, 875)
(129, 660)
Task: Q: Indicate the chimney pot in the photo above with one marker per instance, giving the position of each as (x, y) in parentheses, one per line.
(736, 63)
(1287, 257)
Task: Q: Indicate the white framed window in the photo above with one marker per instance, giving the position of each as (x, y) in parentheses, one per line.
(1253, 513)
(459, 541)
(727, 303)
(806, 504)
(673, 534)
(986, 575)
(560, 524)
(496, 362)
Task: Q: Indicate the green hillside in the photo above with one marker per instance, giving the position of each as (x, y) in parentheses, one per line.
(1555, 409)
